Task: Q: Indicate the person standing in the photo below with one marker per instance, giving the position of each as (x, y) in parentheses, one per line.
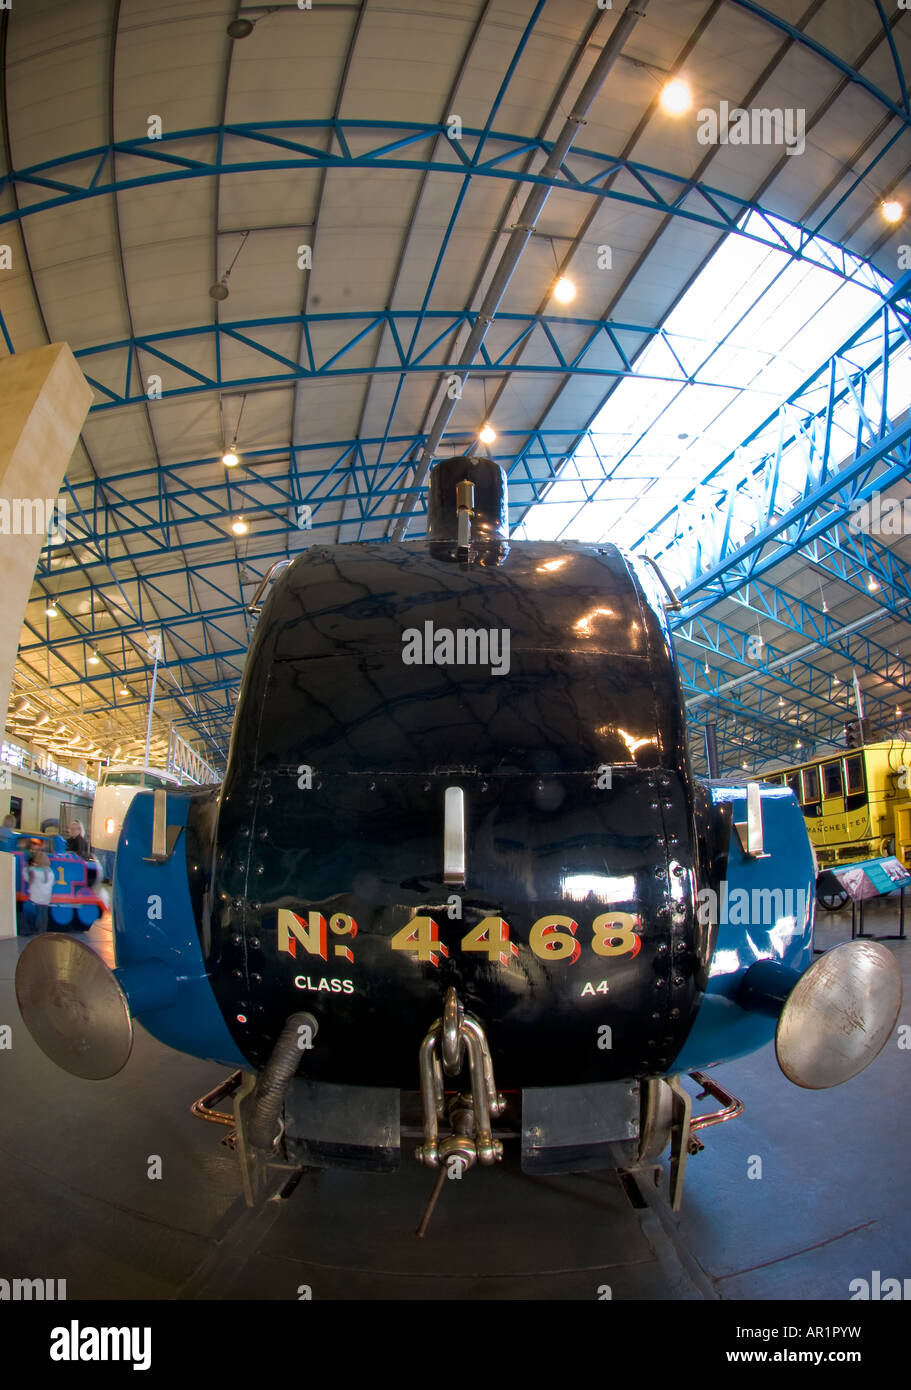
(40, 889)
(77, 841)
(8, 833)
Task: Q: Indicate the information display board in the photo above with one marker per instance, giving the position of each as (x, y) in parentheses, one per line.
(872, 879)
(858, 883)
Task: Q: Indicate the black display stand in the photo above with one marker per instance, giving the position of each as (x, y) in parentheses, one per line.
(857, 919)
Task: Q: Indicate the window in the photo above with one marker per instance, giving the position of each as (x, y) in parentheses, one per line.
(854, 773)
(831, 779)
(137, 778)
(811, 784)
(751, 327)
(9, 753)
(794, 784)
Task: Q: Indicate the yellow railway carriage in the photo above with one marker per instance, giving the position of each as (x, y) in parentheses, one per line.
(856, 803)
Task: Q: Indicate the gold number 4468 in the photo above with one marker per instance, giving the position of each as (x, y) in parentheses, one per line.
(552, 938)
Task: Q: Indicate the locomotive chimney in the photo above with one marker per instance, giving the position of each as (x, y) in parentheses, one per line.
(467, 517)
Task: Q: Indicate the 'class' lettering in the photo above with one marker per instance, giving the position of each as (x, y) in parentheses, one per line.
(332, 986)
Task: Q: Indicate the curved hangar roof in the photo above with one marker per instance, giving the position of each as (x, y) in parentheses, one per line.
(387, 192)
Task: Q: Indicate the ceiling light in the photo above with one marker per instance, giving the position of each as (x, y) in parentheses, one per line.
(239, 526)
(488, 433)
(564, 290)
(124, 690)
(676, 97)
(230, 458)
(798, 744)
(94, 659)
(220, 289)
(892, 210)
(872, 585)
(51, 611)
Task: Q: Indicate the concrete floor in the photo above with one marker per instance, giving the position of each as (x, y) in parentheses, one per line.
(831, 1205)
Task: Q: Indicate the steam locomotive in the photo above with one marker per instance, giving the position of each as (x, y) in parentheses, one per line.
(460, 862)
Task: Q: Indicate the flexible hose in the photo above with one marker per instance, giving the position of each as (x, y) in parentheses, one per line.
(272, 1086)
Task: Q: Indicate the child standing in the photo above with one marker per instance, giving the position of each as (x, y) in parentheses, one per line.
(40, 888)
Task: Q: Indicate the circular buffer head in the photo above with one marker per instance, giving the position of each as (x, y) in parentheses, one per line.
(73, 1006)
(839, 1015)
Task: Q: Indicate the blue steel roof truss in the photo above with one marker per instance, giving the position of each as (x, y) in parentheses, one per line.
(108, 523)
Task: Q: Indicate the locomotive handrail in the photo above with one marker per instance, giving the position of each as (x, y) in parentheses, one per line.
(732, 1106)
(266, 580)
(205, 1106)
(675, 605)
